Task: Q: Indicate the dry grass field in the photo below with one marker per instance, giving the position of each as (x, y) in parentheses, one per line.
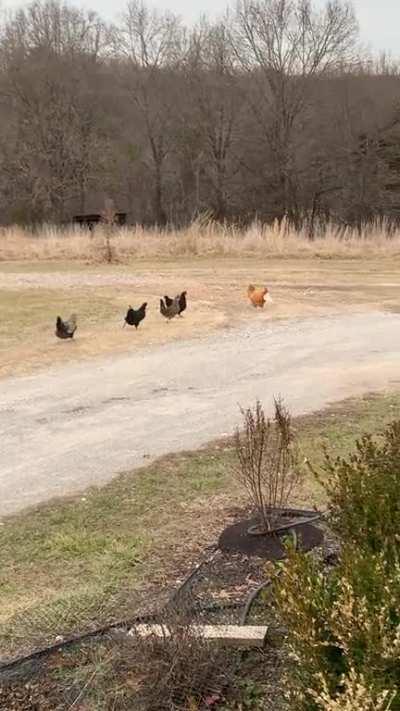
(54, 273)
(199, 239)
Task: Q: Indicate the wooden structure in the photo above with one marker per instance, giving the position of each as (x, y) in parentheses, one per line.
(89, 221)
(234, 635)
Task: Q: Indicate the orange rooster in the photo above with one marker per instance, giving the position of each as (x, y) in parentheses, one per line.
(257, 296)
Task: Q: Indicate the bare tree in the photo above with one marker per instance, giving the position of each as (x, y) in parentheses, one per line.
(49, 54)
(268, 113)
(217, 101)
(152, 44)
(283, 45)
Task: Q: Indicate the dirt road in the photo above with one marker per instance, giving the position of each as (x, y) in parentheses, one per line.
(79, 425)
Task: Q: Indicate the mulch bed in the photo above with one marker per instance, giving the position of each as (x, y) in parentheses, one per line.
(236, 539)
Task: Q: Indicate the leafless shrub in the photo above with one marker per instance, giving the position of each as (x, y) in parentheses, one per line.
(179, 670)
(268, 462)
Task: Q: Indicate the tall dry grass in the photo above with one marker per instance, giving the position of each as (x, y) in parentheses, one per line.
(211, 239)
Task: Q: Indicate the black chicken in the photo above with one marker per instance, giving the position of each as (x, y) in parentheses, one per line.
(171, 309)
(66, 329)
(181, 301)
(135, 316)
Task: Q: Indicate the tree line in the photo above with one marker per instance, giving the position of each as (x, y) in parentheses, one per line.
(272, 112)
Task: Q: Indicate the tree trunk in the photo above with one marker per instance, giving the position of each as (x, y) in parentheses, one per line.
(161, 217)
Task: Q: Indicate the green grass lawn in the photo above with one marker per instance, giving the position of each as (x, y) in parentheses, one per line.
(75, 563)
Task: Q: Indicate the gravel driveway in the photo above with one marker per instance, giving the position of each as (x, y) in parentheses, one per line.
(79, 425)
